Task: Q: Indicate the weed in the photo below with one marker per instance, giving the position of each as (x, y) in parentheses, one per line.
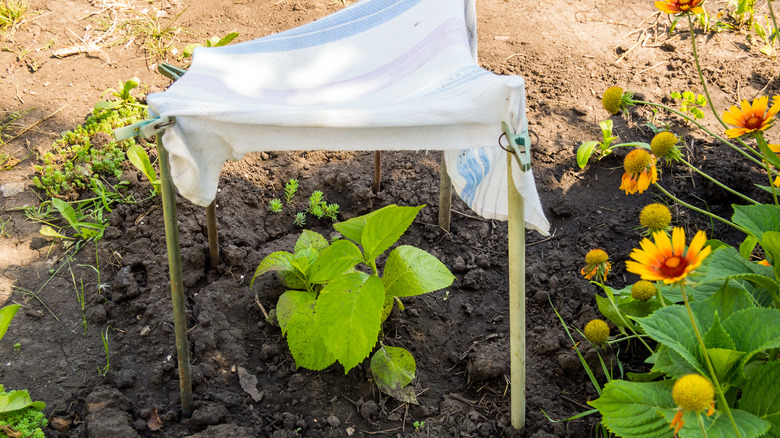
(4, 227)
(418, 425)
(17, 347)
(81, 300)
(290, 189)
(605, 146)
(213, 41)
(104, 337)
(690, 103)
(275, 205)
(300, 219)
(11, 13)
(156, 39)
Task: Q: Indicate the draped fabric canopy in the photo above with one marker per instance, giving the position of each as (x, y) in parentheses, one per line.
(377, 75)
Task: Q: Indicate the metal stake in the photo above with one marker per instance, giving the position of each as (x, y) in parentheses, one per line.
(170, 216)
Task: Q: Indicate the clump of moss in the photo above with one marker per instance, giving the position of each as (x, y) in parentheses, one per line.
(29, 421)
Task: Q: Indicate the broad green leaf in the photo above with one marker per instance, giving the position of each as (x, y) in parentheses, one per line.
(385, 227)
(725, 302)
(635, 409)
(669, 362)
(310, 239)
(719, 425)
(7, 314)
(276, 261)
(303, 260)
(352, 229)
(757, 219)
(640, 309)
(716, 336)
(672, 326)
(584, 153)
(761, 396)
(747, 246)
(644, 377)
(393, 368)
(67, 212)
(290, 303)
(334, 261)
(51, 232)
(723, 360)
(613, 313)
(726, 263)
(17, 400)
(771, 245)
(138, 157)
(411, 271)
(349, 309)
(753, 330)
(305, 339)
(226, 39)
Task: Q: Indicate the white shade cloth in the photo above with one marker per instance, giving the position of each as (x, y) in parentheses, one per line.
(377, 75)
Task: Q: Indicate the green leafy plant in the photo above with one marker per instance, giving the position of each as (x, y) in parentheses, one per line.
(4, 226)
(275, 205)
(300, 219)
(104, 337)
(20, 416)
(156, 38)
(138, 157)
(418, 425)
(604, 147)
(17, 347)
(123, 95)
(290, 189)
(690, 103)
(213, 41)
(11, 13)
(333, 312)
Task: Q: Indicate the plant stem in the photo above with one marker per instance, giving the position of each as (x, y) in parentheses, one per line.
(774, 21)
(699, 210)
(700, 126)
(701, 425)
(701, 76)
(718, 388)
(718, 183)
(763, 147)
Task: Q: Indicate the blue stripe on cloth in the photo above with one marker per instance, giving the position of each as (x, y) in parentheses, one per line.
(350, 21)
(473, 165)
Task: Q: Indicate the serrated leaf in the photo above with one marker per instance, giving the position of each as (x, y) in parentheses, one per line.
(385, 227)
(723, 360)
(349, 310)
(725, 302)
(305, 339)
(7, 314)
(771, 244)
(669, 362)
(719, 425)
(393, 369)
(636, 409)
(310, 239)
(716, 336)
(584, 153)
(290, 303)
(753, 330)
(726, 263)
(411, 271)
(276, 261)
(761, 396)
(672, 326)
(352, 229)
(303, 260)
(334, 261)
(613, 313)
(757, 219)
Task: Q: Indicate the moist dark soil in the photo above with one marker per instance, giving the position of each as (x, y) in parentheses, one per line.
(244, 379)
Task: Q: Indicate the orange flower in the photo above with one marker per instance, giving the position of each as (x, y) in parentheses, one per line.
(640, 169)
(680, 6)
(597, 261)
(751, 117)
(776, 149)
(668, 260)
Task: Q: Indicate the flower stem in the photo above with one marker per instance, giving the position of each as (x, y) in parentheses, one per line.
(718, 388)
(700, 126)
(699, 210)
(701, 76)
(701, 425)
(774, 21)
(718, 183)
(763, 147)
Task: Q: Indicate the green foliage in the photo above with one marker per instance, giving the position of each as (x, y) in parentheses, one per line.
(604, 147)
(138, 157)
(690, 103)
(333, 312)
(290, 189)
(86, 152)
(28, 420)
(123, 95)
(7, 314)
(300, 219)
(213, 41)
(11, 13)
(275, 205)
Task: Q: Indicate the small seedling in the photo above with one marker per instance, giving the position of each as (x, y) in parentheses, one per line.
(17, 347)
(104, 336)
(331, 211)
(418, 425)
(124, 96)
(4, 227)
(300, 219)
(11, 13)
(275, 205)
(214, 41)
(605, 147)
(138, 157)
(690, 103)
(290, 189)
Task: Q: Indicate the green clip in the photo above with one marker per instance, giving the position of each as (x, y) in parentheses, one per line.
(519, 145)
(145, 128)
(171, 71)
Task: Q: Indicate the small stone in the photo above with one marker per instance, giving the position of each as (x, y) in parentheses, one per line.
(369, 409)
(483, 261)
(458, 265)
(487, 362)
(474, 279)
(209, 414)
(333, 421)
(145, 331)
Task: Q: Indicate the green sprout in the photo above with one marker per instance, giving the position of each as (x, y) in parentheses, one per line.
(300, 219)
(290, 189)
(690, 103)
(331, 210)
(275, 205)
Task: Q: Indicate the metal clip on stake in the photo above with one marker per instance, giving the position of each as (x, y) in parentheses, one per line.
(146, 128)
(519, 145)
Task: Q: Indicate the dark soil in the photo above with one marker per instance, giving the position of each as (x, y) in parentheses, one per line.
(567, 52)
